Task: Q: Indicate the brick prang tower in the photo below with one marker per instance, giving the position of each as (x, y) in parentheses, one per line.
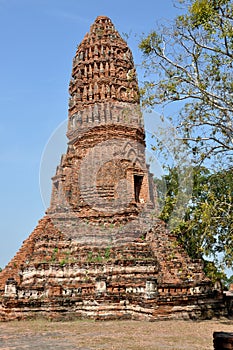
(100, 251)
(104, 171)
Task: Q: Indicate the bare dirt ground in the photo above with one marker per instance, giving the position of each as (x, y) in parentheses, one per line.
(111, 335)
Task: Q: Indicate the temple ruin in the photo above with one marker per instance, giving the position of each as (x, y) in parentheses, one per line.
(100, 251)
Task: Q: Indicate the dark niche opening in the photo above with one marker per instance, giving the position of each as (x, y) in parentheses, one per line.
(137, 187)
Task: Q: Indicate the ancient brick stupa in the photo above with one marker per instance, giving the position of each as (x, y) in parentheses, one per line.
(100, 251)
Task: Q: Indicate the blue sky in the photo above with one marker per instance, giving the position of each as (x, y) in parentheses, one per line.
(38, 41)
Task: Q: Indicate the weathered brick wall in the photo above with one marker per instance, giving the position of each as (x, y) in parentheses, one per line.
(43, 232)
(97, 176)
(121, 279)
(100, 251)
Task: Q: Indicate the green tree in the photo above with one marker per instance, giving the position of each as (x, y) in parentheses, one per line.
(206, 230)
(190, 62)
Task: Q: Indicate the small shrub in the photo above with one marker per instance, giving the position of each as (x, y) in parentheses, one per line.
(90, 256)
(107, 253)
(63, 262)
(99, 258)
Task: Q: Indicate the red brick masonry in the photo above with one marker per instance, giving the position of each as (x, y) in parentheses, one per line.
(100, 251)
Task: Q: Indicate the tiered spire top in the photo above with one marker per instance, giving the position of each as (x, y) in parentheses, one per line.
(103, 69)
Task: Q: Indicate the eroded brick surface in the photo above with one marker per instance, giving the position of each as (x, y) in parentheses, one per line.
(100, 251)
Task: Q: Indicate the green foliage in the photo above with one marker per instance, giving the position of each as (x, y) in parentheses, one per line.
(190, 62)
(99, 258)
(167, 200)
(228, 281)
(63, 262)
(54, 255)
(0, 269)
(206, 229)
(90, 256)
(213, 273)
(107, 253)
(205, 13)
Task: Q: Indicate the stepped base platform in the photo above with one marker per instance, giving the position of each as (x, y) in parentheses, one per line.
(145, 275)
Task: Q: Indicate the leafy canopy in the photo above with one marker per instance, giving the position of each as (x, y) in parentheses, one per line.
(188, 68)
(190, 62)
(206, 230)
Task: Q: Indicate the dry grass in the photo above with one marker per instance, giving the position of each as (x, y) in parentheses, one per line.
(111, 335)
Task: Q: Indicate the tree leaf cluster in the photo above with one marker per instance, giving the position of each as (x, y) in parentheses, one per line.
(206, 229)
(189, 62)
